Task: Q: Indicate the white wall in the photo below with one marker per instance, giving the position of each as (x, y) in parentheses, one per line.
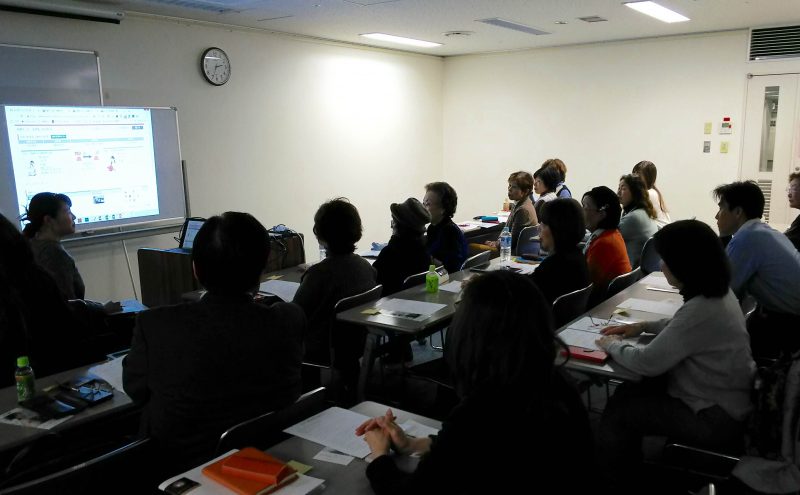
(601, 108)
(299, 122)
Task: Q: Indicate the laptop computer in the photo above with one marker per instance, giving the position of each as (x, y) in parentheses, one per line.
(188, 232)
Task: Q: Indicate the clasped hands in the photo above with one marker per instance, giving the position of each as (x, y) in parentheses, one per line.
(383, 433)
(618, 332)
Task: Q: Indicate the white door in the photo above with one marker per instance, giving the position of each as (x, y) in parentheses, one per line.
(771, 146)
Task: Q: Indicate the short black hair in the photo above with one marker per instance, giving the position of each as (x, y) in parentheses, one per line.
(494, 342)
(694, 254)
(564, 217)
(338, 224)
(742, 194)
(550, 177)
(43, 204)
(447, 197)
(606, 200)
(230, 252)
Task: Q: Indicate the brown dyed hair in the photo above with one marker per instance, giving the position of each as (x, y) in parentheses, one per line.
(648, 172)
(639, 193)
(523, 179)
(557, 164)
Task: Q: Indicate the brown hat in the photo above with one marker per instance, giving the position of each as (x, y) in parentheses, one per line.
(410, 214)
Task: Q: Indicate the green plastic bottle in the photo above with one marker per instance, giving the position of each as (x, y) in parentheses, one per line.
(26, 386)
(432, 280)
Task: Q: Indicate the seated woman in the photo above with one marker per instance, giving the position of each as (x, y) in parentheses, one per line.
(605, 251)
(638, 216)
(50, 220)
(648, 173)
(564, 270)
(502, 361)
(341, 274)
(545, 182)
(793, 193)
(405, 255)
(562, 191)
(35, 320)
(523, 214)
(444, 240)
(703, 353)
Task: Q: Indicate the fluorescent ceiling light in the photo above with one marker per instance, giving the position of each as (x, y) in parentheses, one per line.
(400, 40)
(655, 10)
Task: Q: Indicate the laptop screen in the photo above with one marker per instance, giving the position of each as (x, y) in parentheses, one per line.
(191, 229)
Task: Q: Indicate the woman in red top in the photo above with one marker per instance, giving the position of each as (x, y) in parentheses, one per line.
(605, 250)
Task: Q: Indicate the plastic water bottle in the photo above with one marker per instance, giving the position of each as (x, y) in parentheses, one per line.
(505, 245)
(26, 387)
(432, 280)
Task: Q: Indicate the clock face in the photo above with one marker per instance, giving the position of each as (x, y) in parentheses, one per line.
(216, 66)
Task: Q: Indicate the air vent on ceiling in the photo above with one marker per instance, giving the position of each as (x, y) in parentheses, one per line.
(766, 187)
(776, 42)
(495, 21)
(593, 18)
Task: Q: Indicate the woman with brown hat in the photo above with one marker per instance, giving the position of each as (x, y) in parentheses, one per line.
(406, 253)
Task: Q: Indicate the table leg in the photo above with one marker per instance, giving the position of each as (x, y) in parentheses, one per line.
(368, 359)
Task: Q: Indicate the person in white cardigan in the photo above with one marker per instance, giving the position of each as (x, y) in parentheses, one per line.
(638, 216)
(648, 173)
(701, 354)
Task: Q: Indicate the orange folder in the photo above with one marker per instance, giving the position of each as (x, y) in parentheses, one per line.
(251, 472)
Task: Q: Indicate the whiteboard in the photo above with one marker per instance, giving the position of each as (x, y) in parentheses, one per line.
(49, 76)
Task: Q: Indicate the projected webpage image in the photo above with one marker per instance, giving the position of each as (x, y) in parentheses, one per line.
(102, 158)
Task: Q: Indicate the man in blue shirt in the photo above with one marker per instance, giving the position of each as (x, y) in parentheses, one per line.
(764, 264)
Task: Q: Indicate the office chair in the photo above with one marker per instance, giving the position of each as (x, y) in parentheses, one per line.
(569, 306)
(623, 281)
(345, 344)
(109, 471)
(413, 280)
(265, 430)
(477, 260)
(528, 242)
(650, 261)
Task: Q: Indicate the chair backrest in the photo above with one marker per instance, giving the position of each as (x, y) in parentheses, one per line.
(571, 305)
(650, 261)
(477, 260)
(413, 280)
(351, 302)
(528, 242)
(264, 430)
(624, 281)
(95, 474)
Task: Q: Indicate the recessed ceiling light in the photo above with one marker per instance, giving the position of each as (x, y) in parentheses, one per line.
(658, 11)
(400, 40)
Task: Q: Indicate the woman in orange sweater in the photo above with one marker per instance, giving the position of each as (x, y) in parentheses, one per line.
(605, 250)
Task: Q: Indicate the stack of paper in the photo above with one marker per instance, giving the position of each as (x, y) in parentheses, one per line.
(408, 309)
(110, 371)
(280, 288)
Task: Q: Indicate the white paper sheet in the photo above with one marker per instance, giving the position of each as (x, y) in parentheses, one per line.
(579, 338)
(586, 324)
(369, 253)
(301, 486)
(480, 225)
(418, 430)
(111, 372)
(409, 306)
(284, 290)
(658, 281)
(454, 286)
(329, 455)
(334, 428)
(667, 307)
